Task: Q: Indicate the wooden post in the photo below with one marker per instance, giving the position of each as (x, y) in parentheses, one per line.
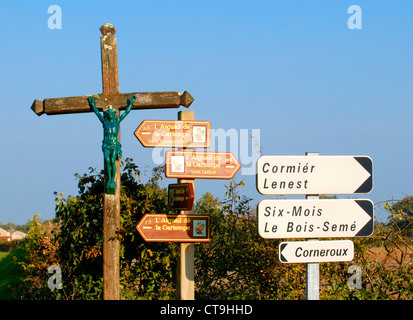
(111, 202)
(185, 272)
(111, 224)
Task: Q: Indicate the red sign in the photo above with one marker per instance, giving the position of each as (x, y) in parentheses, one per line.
(181, 196)
(170, 133)
(201, 165)
(175, 228)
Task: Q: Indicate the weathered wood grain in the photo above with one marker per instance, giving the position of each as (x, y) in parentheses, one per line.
(144, 100)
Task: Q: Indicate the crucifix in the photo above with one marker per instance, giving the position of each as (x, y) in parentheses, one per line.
(111, 101)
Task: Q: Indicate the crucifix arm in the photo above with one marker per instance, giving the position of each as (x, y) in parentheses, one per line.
(128, 108)
(91, 101)
(144, 100)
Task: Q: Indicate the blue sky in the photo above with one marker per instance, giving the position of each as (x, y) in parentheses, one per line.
(292, 69)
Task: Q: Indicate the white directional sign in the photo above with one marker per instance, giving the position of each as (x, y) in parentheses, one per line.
(316, 251)
(328, 218)
(314, 174)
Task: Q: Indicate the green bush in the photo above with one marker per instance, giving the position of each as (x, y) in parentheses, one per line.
(10, 245)
(40, 251)
(236, 264)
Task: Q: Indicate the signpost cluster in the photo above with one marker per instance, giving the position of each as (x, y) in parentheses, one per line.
(185, 164)
(315, 218)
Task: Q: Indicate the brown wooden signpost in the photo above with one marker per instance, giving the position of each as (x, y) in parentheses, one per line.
(200, 165)
(111, 98)
(181, 196)
(179, 134)
(174, 228)
(184, 164)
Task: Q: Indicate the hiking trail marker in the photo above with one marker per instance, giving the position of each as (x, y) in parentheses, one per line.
(175, 228)
(200, 165)
(186, 165)
(179, 134)
(111, 98)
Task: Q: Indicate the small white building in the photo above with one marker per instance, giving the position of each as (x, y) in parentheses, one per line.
(17, 235)
(4, 235)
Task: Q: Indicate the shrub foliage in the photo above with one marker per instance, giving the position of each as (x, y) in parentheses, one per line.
(236, 264)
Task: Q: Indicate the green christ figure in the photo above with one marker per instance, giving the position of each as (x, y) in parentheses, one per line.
(111, 146)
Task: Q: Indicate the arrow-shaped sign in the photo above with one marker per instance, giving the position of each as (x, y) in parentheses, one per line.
(175, 228)
(316, 251)
(328, 218)
(314, 175)
(200, 165)
(169, 133)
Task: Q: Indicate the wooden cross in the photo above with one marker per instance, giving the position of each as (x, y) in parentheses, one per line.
(111, 98)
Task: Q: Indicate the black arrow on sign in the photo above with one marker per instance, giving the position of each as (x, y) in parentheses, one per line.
(367, 164)
(367, 206)
(282, 246)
